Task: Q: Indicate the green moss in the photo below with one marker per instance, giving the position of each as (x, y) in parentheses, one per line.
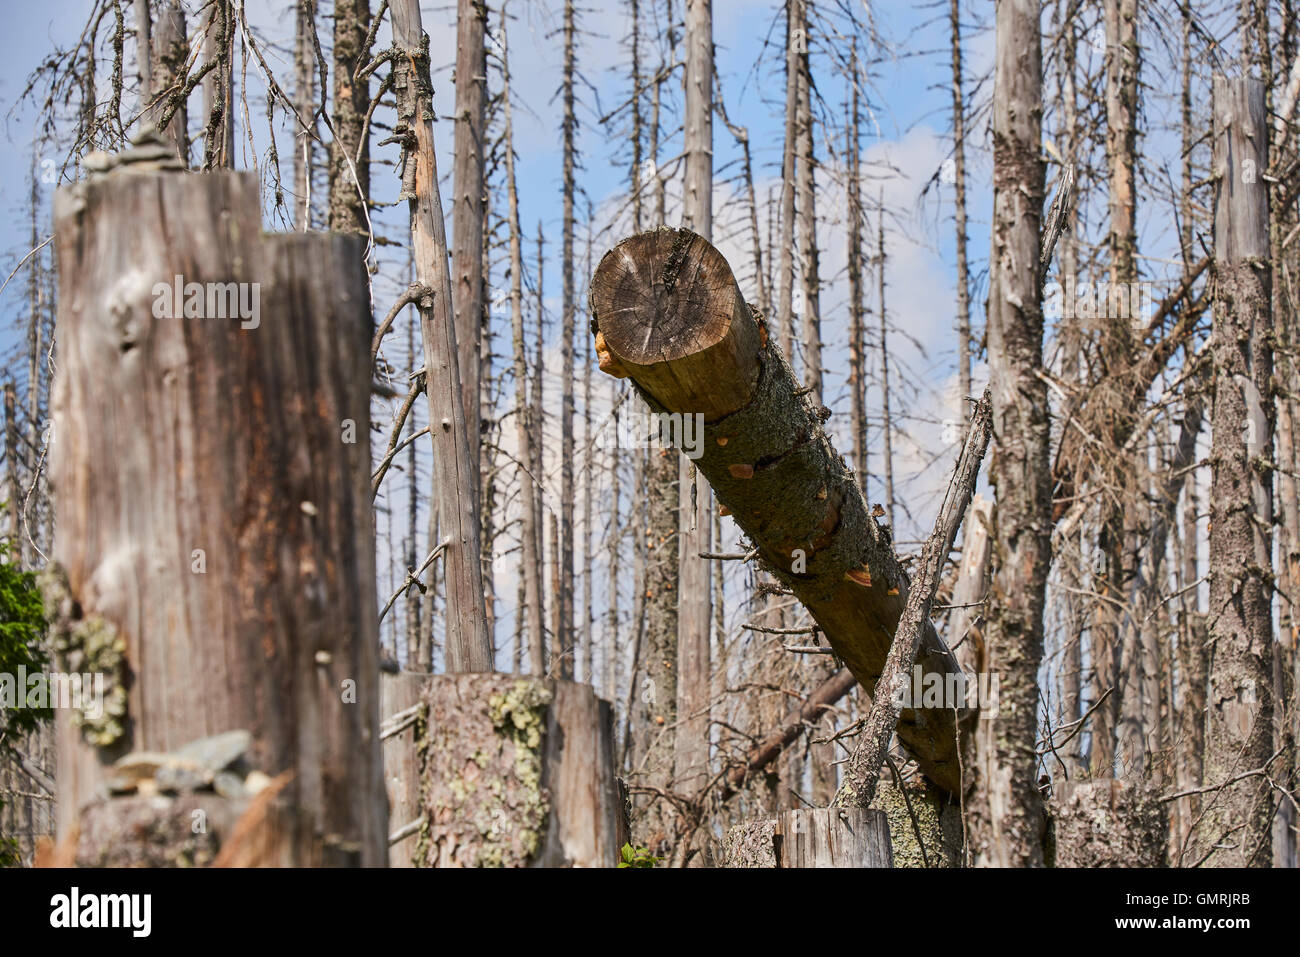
(520, 714)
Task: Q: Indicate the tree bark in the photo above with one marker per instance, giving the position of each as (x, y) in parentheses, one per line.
(350, 175)
(1236, 830)
(565, 633)
(819, 837)
(518, 772)
(1005, 807)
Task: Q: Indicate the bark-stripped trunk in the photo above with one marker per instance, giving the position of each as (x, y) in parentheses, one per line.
(1004, 805)
(469, 210)
(170, 48)
(1236, 830)
(691, 755)
(468, 645)
(669, 315)
(530, 560)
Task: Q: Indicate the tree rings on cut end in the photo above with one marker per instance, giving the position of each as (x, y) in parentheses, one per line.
(669, 314)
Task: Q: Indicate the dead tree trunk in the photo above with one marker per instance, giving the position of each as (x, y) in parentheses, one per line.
(401, 706)
(564, 636)
(668, 314)
(167, 68)
(1006, 816)
(468, 645)
(1239, 726)
(691, 750)
(810, 324)
(857, 317)
(469, 207)
(530, 517)
(959, 205)
(304, 94)
(233, 590)
(349, 151)
(219, 87)
(795, 28)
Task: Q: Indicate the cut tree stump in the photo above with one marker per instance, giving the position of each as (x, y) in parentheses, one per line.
(1109, 823)
(668, 314)
(215, 552)
(518, 772)
(815, 837)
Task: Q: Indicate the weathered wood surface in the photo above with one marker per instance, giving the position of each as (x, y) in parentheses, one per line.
(518, 772)
(667, 312)
(402, 707)
(813, 837)
(211, 484)
(1109, 823)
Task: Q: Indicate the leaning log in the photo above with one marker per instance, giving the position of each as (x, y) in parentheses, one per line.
(210, 458)
(667, 313)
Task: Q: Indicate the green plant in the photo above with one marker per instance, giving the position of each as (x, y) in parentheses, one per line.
(630, 856)
(22, 629)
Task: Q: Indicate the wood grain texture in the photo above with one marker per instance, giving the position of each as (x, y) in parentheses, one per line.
(813, 837)
(209, 508)
(398, 695)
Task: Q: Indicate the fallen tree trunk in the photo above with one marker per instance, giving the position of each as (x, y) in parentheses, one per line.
(668, 314)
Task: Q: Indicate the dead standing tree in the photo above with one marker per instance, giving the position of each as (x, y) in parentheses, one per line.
(1239, 726)
(221, 573)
